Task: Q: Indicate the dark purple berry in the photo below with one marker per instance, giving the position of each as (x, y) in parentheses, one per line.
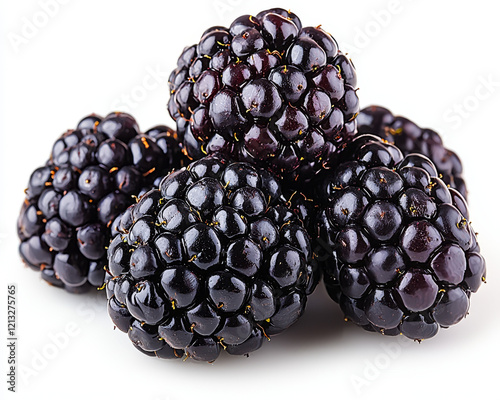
(73, 205)
(398, 252)
(268, 92)
(214, 259)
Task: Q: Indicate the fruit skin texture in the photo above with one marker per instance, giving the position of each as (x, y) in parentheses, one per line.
(410, 138)
(266, 91)
(213, 259)
(398, 252)
(93, 174)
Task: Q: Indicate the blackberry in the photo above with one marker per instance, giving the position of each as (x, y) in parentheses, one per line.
(268, 92)
(212, 259)
(410, 138)
(91, 177)
(400, 255)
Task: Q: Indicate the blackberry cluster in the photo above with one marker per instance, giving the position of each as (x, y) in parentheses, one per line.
(212, 259)
(93, 173)
(410, 138)
(402, 256)
(266, 91)
(217, 256)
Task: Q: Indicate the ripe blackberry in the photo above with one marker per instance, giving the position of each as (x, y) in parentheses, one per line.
(400, 254)
(410, 138)
(213, 259)
(92, 175)
(266, 91)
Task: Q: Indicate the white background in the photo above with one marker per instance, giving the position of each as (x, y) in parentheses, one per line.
(422, 59)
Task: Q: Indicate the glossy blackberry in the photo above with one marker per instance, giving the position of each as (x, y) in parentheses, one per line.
(92, 176)
(398, 252)
(268, 92)
(213, 259)
(410, 138)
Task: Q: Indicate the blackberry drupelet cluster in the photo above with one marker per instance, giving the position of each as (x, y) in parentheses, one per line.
(410, 138)
(268, 92)
(213, 259)
(402, 256)
(93, 174)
